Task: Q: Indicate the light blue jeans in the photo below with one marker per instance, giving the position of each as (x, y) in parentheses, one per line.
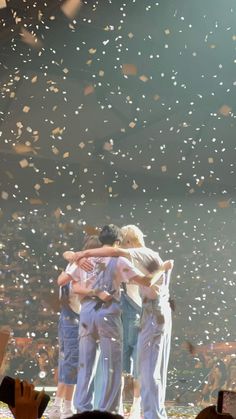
(101, 327)
(153, 356)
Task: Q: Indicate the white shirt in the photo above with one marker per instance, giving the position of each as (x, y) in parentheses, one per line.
(143, 258)
(73, 298)
(125, 271)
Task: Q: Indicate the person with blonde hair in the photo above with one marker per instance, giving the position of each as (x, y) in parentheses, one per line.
(100, 324)
(153, 346)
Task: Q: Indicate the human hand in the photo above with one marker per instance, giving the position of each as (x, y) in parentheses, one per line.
(104, 296)
(27, 401)
(168, 264)
(85, 264)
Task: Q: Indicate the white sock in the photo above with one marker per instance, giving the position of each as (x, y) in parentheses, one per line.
(58, 401)
(137, 401)
(67, 405)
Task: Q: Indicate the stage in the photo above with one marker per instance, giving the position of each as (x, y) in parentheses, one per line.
(174, 412)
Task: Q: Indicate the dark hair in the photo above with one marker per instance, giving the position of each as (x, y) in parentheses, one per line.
(110, 234)
(210, 413)
(96, 414)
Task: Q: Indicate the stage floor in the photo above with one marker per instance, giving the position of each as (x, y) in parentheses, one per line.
(174, 412)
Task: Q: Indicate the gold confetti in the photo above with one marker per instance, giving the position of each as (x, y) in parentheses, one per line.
(224, 204)
(37, 186)
(225, 110)
(57, 131)
(92, 50)
(144, 78)
(164, 169)
(30, 39)
(4, 195)
(70, 8)
(88, 90)
(132, 124)
(26, 109)
(66, 155)
(210, 160)
(35, 201)
(34, 79)
(129, 69)
(24, 163)
(57, 213)
(55, 151)
(22, 148)
(46, 180)
(134, 185)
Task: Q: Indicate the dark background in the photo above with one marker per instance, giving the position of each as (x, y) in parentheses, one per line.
(83, 144)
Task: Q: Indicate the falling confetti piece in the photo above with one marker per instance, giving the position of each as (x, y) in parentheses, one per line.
(88, 90)
(224, 204)
(30, 39)
(24, 163)
(22, 148)
(26, 109)
(164, 169)
(46, 180)
(134, 185)
(4, 195)
(92, 50)
(144, 78)
(132, 124)
(210, 160)
(66, 155)
(35, 201)
(225, 110)
(129, 69)
(57, 131)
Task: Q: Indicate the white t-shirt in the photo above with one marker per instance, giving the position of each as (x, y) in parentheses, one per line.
(146, 259)
(124, 272)
(73, 298)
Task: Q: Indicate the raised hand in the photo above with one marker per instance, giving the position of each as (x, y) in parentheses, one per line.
(27, 401)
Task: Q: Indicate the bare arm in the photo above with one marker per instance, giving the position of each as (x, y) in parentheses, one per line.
(91, 292)
(69, 255)
(142, 280)
(108, 251)
(166, 266)
(63, 279)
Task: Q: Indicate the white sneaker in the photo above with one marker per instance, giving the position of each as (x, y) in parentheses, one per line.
(135, 412)
(66, 414)
(54, 412)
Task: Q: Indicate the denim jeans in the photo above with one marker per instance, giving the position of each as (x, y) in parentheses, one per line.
(68, 334)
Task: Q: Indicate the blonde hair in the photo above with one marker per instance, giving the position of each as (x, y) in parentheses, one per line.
(132, 236)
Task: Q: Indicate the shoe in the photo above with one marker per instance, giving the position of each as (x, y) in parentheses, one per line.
(54, 412)
(135, 412)
(66, 414)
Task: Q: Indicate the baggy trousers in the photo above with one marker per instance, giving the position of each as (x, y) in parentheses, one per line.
(103, 327)
(153, 356)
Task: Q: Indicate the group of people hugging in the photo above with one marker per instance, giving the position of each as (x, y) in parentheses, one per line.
(115, 318)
